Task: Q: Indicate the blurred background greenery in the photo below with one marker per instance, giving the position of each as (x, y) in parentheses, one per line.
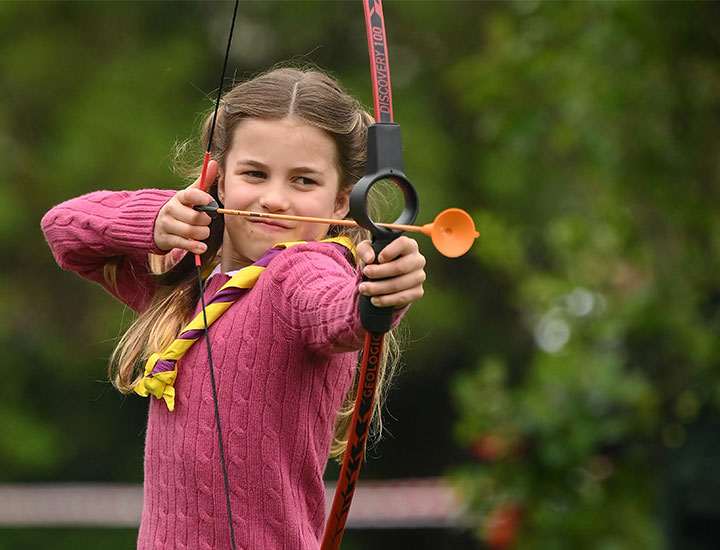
(563, 374)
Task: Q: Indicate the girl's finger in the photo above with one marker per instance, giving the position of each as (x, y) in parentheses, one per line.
(365, 252)
(193, 196)
(186, 214)
(398, 299)
(402, 246)
(396, 267)
(394, 285)
(190, 245)
(174, 227)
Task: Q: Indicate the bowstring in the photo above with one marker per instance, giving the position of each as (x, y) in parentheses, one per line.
(202, 288)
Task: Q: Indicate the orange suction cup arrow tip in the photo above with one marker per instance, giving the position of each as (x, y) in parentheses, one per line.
(452, 232)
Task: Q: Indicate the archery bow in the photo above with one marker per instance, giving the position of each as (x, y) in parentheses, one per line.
(384, 161)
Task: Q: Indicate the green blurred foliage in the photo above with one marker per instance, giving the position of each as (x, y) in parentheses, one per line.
(567, 366)
(596, 131)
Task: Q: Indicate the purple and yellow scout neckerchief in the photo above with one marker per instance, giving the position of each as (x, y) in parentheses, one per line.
(161, 368)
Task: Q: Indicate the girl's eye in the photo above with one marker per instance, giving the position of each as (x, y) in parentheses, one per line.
(306, 181)
(255, 174)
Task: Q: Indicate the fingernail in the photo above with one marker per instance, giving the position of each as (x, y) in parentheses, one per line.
(367, 257)
(362, 288)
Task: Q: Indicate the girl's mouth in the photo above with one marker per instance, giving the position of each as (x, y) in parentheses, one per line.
(268, 225)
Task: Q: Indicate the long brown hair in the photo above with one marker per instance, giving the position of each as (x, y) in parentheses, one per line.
(316, 99)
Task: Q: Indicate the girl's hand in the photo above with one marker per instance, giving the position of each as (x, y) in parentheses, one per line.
(401, 270)
(179, 226)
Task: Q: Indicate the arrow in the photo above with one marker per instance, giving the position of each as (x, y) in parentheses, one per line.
(452, 232)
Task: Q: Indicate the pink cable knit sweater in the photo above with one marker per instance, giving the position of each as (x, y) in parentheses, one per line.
(284, 355)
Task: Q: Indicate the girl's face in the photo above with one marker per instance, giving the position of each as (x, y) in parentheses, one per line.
(279, 166)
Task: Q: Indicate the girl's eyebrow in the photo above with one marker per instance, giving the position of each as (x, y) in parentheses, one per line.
(259, 165)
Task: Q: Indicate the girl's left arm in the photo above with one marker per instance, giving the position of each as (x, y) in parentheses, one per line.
(315, 291)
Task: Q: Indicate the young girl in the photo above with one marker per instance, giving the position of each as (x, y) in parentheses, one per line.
(285, 352)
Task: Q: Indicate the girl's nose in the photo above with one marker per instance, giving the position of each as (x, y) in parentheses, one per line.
(274, 198)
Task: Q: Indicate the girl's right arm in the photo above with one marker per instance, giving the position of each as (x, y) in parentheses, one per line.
(117, 230)
(93, 232)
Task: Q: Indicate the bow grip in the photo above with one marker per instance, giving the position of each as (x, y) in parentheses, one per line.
(376, 319)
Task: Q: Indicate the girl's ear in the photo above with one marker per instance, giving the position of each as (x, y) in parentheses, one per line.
(221, 187)
(342, 205)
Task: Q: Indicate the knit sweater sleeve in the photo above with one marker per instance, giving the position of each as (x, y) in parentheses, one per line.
(90, 232)
(315, 291)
